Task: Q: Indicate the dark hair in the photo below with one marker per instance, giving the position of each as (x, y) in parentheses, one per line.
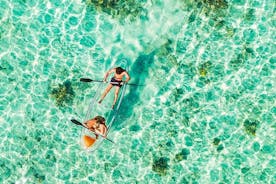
(100, 119)
(119, 70)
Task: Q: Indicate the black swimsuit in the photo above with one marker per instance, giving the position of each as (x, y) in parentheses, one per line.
(118, 83)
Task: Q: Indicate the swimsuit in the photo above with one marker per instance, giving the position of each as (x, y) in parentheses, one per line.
(118, 83)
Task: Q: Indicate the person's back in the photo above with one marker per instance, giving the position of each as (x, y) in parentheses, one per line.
(119, 73)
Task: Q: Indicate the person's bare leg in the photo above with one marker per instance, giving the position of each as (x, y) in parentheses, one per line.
(108, 88)
(116, 96)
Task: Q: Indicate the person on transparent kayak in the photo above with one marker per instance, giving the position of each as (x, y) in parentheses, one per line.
(117, 81)
(97, 125)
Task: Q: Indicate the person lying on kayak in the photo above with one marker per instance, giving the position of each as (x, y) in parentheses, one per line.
(97, 125)
(117, 81)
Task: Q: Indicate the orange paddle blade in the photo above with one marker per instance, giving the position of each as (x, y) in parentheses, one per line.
(88, 141)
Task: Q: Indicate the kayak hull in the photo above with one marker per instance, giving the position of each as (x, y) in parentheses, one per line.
(88, 138)
(88, 141)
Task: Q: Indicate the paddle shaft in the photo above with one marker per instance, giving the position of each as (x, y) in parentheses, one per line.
(90, 80)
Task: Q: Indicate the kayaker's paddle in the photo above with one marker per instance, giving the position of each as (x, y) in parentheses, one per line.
(90, 80)
(79, 123)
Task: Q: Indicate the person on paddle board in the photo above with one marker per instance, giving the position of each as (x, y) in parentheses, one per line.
(97, 125)
(116, 80)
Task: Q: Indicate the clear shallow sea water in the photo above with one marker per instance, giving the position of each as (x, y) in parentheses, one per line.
(208, 71)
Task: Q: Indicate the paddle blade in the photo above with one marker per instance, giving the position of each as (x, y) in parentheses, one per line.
(85, 80)
(76, 122)
(88, 141)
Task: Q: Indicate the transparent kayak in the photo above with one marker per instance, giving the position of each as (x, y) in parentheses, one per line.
(88, 138)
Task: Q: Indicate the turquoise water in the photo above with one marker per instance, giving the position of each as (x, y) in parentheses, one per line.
(205, 115)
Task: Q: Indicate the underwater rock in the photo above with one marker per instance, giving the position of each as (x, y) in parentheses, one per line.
(213, 8)
(121, 9)
(183, 155)
(251, 126)
(63, 94)
(161, 166)
(40, 177)
(217, 4)
(202, 72)
(216, 141)
(36, 174)
(203, 68)
(249, 50)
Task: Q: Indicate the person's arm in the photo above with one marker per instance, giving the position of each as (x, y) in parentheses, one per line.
(104, 131)
(127, 76)
(89, 124)
(101, 131)
(108, 73)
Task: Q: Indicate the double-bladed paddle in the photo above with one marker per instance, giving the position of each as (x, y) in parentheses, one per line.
(76, 122)
(91, 80)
